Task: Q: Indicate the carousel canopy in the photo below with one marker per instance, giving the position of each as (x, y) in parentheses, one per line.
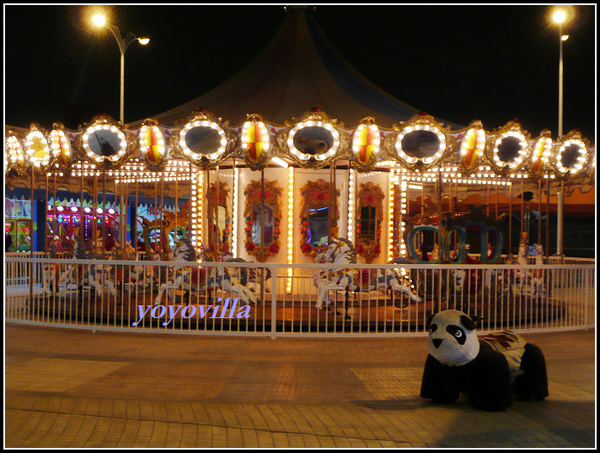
(297, 71)
(298, 103)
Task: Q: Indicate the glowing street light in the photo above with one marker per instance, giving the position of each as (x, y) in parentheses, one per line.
(560, 17)
(99, 20)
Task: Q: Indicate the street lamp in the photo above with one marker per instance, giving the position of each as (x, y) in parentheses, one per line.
(100, 21)
(559, 17)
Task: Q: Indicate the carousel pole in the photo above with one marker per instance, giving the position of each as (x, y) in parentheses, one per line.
(104, 213)
(510, 201)
(438, 195)
(156, 244)
(334, 212)
(487, 191)
(164, 239)
(523, 207)
(216, 220)
(46, 208)
(560, 204)
(31, 234)
(95, 208)
(497, 199)
(207, 209)
(176, 205)
(262, 211)
(83, 216)
(54, 207)
(135, 232)
(539, 211)
(548, 215)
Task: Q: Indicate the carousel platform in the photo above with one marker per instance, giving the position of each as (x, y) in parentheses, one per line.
(359, 314)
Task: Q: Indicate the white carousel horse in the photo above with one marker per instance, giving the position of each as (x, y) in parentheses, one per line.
(382, 280)
(55, 281)
(221, 278)
(136, 275)
(97, 276)
(389, 279)
(339, 251)
(100, 276)
(537, 275)
(526, 281)
(182, 279)
(474, 281)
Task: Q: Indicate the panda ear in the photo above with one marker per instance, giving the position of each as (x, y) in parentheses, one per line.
(467, 322)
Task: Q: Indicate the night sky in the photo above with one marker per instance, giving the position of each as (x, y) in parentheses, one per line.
(493, 63)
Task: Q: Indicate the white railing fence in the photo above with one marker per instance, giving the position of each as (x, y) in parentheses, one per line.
(280, 300)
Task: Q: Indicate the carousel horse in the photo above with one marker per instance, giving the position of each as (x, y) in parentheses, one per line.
(382, 280)
(339, 251)
(250, 277)
(183, 278)
(221, 278)
(99, 276)
(132, 276)
(54, 279)
(537, 275)
(526, 281)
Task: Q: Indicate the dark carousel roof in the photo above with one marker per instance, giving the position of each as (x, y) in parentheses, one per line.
(297, 71)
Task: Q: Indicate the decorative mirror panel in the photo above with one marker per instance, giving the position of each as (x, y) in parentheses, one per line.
(219, 218)
(263, 219)
(318, 216)
(369, 215)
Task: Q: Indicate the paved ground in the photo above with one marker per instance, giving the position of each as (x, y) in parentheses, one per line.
(69, 388)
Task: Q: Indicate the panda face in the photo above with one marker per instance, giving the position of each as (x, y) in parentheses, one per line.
(452, 338)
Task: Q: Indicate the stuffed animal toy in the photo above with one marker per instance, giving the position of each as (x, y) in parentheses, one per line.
(489, 369)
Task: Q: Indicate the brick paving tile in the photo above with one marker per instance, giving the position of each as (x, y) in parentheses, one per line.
(171, 391)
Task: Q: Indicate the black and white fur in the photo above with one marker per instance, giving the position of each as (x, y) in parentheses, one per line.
(489, 369)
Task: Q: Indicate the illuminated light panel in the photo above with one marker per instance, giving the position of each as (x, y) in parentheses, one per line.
(152, 143)
(522, 152)
(104, 127)
(420, 127)
(197, 209)
(351, 213)
(37, 149)
(15, 151)
(391, 218)
(365, 143)
(255, 139)
(404, 186)
(541, 153)
(61, 146)
(303, 156)
(580, 160)
(472, 146)
(203, 123)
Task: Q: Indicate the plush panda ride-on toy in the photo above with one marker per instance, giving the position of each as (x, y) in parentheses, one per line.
(489, 369)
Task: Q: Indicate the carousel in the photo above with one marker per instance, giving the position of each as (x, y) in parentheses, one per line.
(311, 190)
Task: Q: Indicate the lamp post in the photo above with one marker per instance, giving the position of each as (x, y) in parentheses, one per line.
(559, 18)
(99, 20)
